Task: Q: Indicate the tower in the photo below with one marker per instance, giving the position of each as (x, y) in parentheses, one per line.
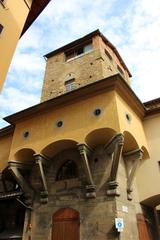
(82, 62)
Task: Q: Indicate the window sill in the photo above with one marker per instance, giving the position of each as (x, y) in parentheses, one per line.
(78, 56)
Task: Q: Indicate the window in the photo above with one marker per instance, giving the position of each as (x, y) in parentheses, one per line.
(70, 85)
(108, 54)
(78, 51)
(67, 171)
(1, 28)
(120, 70)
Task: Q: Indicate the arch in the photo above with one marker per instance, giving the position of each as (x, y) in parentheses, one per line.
(54, 148)
(67, 170)
(66, 214)
(25, 155)
(69, 76)
(130, 142)
(152, 201)
(99, 136)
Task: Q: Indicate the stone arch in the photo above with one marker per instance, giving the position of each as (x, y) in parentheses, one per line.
(152, 201)
(130, 143)
(24, 155)
(67, 170)
(54, 148)
(99, 136)
(69, 76)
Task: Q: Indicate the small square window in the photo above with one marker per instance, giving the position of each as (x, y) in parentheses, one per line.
(108, 54)
(120, 70)
(70, 85)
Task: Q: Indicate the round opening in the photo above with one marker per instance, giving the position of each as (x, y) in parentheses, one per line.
(26, 134)
(59, 124)
(97, 112)
(96, 160)
(128, 117)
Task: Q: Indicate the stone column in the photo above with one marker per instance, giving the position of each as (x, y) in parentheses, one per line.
(114, 148)
(84, 151)
(41, 160)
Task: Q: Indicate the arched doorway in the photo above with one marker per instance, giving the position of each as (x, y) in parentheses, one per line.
(65, 225)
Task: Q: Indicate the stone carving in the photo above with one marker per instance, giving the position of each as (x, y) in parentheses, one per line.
(114, 148)
(132, 160)
(85, 151)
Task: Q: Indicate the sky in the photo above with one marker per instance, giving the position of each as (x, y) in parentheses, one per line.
(132, 26)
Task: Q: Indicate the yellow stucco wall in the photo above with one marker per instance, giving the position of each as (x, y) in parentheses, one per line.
(5, 145)
(78, 119)
(134, 126)
(149, 172)
(12, 17)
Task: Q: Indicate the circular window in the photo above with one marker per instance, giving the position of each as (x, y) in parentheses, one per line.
(128, 117)
(59, 123)
(97, 111)
(26, 134)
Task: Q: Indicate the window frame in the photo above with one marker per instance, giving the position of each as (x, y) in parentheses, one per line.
(78, 51)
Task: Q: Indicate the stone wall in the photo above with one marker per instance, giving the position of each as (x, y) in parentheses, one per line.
(97, 215)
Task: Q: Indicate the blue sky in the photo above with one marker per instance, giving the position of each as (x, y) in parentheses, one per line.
(132, 26)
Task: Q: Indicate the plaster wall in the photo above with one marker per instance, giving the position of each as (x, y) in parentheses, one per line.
(133, 125)
(78, 121)
(5, 145)
(149, 171)
(12, 17)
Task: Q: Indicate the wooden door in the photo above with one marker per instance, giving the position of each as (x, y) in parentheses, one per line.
(65, 225)
(143, 229)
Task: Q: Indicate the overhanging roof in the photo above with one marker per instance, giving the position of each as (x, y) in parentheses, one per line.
(87, 38)
(36, 8)
(115, 82)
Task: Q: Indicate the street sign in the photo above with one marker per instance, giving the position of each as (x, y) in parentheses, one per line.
(119, 223)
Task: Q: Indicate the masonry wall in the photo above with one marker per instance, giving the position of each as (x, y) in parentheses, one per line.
(97, 215)
(85, 68)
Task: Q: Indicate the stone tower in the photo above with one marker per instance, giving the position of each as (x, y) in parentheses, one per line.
(82, 62)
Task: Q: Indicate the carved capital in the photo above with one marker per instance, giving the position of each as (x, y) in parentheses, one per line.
(39, 157)
(90, 191)
(118, 139)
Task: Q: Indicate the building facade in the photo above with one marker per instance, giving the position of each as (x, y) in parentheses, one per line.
(87, 155)
(15, 18)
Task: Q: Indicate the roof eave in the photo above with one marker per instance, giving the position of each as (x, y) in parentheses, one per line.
(107, 84)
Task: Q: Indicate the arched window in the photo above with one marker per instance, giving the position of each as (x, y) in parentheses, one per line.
(67, 170)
